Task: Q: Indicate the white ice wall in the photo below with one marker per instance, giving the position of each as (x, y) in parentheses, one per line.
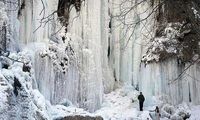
(154, 79)
(83, 85)
(32, 29)
(127, 54)
(160, 79)
(97, 72)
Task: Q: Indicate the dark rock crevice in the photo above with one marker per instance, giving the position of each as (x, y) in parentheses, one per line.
(21, 7)
(78, 117)
(180, 13)
(64, 8)
(17, 85)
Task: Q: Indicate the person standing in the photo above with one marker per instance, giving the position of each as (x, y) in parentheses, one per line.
(157, 113)
(141, 99)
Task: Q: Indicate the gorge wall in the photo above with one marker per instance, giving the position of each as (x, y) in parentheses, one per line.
(92, 53)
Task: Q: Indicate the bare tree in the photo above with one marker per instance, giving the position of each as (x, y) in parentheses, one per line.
(63, 12)
(127, 12)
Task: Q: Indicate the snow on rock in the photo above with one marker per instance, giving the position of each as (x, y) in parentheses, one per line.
(175, 112)
(78, 117)
(61, 55)
(60, 111)
(196, 13)
(18, 98)
(159, 48)
(5, 90)
(195, 110)
(41, 106)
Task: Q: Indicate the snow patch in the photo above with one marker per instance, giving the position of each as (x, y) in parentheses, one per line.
(168, 44)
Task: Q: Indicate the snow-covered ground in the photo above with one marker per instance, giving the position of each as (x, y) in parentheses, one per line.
(122, 104)
(195, 111)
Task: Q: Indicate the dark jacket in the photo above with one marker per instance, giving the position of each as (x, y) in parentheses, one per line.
(141, 98)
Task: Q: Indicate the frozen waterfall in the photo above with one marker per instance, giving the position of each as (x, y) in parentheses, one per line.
(96, 55)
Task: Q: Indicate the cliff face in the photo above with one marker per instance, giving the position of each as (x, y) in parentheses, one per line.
(182, 19)
(175, 47)
(83, 51)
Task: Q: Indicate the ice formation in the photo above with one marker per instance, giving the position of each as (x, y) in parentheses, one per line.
(95, 56)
